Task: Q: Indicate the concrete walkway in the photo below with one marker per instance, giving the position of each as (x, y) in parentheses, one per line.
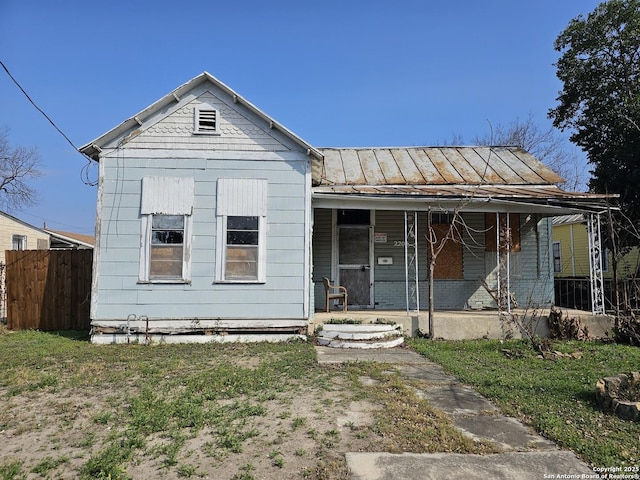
(526, 454)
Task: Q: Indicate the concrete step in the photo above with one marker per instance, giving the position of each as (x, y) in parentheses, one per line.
(392, 342)
(368, 335)
(360, 332)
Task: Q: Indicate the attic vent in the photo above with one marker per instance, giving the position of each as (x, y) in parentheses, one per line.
(205, 120)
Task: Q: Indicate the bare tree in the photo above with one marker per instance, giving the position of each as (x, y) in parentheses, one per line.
(545, 144)
(18, 166)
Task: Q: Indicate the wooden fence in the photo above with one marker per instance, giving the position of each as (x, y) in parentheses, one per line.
(48, 289)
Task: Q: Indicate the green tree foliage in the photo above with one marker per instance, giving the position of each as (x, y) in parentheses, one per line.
(599, 67)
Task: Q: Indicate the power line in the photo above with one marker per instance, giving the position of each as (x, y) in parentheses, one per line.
(84, 171)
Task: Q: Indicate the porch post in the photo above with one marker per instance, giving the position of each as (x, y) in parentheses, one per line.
(498, 265)
(595, 264)
(411, 261)
(503, 274)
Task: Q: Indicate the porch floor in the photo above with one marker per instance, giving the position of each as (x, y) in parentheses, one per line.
(466, 324)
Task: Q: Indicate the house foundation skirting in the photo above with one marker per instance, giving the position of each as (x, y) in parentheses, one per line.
(146, 331)
(467, 324)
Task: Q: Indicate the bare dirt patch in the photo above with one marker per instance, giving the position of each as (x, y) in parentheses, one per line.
(71, 410)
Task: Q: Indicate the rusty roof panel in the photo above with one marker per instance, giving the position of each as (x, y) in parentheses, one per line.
(462, 166)
(408, 167)
(427, 168)
(523, 170)
(370, 167)
(442, 164)
(480, 165)
(352, 167)
(333, 168)
(502, 168)
(389, 167)
(534, 164)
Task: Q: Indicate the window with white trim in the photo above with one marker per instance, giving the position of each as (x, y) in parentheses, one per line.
(557, 257)
(205, 119)
(167, 247)
(18, 242)
(241, 226)
(166, 208)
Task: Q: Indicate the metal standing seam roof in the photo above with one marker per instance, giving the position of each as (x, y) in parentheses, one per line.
(431, 166)
(445, 175)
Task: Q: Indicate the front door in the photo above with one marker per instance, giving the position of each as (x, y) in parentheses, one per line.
(354, 255)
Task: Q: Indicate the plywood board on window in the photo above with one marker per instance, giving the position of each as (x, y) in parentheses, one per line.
(490, 234)
(449, 261)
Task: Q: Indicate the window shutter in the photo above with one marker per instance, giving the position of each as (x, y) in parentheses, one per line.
(167, 195)
(242, 197)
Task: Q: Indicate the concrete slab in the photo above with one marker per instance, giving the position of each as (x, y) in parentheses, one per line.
(431, 373)
(473, 415)
(458, 400)
(328, 355)
(453, 466)
(506, 432)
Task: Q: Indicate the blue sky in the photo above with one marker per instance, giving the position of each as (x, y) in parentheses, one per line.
(335, 72)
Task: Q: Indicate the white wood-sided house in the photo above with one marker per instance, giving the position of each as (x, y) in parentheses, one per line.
(214, 221)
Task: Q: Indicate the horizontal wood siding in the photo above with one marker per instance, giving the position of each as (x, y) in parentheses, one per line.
(282, 294)
(321, 247)
(244, 147)
(392, 225)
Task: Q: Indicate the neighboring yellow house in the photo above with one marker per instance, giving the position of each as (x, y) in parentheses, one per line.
(570, 251)
(18, 235)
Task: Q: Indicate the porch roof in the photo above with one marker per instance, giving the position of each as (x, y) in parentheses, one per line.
(477, 165)
(465, 178)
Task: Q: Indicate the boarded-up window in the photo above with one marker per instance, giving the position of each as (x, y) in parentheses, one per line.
(449, 260)
(166, 208)
(241, 224)
(509, 232)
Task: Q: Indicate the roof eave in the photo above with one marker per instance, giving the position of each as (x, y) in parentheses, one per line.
(464, 204)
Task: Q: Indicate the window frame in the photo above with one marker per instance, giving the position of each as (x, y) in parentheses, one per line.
(221, 270)
(147, 251)
(20, 241)
(240, 197)
(170, 196)
(556, 247)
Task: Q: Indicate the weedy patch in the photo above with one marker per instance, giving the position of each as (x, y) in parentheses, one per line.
(555, 396)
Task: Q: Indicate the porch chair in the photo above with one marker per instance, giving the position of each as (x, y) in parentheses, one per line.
(340, 294)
